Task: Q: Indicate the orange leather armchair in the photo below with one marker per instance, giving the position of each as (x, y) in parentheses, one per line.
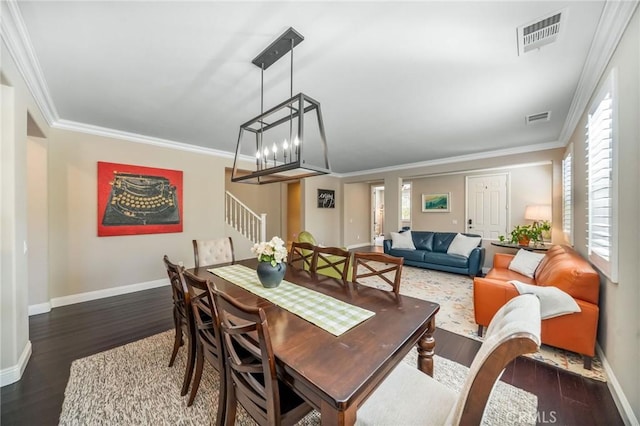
(561, 267)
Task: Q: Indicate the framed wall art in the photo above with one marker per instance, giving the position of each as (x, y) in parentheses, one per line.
(136, 200)
(326, 198)
(436, 203)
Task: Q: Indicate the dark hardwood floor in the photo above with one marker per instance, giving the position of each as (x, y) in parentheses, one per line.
(71, 332)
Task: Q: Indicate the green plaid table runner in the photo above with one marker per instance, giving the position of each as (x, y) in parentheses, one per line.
(328, 313)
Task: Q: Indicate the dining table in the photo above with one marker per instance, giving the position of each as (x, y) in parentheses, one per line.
(336, 373)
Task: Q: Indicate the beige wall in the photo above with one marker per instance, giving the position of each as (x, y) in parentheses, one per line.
(80, 260)
(619, 327)
(38, 220)
(324, 224)
(357, 214)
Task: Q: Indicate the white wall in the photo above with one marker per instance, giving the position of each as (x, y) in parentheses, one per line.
(16, 103)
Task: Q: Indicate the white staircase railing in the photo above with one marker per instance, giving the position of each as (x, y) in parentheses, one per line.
(251, 225)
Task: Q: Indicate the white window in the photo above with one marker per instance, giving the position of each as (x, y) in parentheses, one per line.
(602, 181)
(567, 195)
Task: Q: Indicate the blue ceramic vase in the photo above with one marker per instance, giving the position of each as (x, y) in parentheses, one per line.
(271, 276)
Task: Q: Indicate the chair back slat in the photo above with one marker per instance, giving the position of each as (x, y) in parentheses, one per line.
(301, 255)
(380, 265)
(254, 377)
(333, 258)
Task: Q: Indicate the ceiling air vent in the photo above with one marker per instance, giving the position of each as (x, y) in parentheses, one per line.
(538, 118)
(539, 33)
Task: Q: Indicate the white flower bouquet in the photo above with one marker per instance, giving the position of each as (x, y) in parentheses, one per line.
(273, 251)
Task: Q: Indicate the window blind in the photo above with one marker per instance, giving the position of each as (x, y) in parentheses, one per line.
(567, 196)
(600, 187)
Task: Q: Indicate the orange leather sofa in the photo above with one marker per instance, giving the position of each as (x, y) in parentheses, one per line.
(561, 267)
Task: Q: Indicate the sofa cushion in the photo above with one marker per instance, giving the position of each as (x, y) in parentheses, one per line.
(463, 245)
(414, 255)
(442, 241)
(445, 259)
(402, 241)
(423, 240)
(526, 262)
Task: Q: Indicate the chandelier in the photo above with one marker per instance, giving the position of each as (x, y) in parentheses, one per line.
(286, 142)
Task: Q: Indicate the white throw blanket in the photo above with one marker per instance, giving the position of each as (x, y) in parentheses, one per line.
(553, 301)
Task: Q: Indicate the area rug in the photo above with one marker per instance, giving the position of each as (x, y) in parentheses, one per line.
(132, 385)
(454, 293)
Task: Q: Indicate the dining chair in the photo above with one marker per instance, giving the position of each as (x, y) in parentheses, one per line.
(408, 396)
(209, 342)
(213, 251)
(331, 261)
(301, 254)
(380, 265)
(182, 320)
(252, 381)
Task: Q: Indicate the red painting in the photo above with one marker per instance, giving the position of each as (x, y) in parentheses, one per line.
(136, 200)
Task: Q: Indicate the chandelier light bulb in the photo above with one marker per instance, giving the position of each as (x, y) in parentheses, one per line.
(296, 141)
(285, 144)
(275, 148)
(266, 151)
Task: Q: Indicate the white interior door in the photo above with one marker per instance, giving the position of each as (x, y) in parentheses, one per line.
(487, 205)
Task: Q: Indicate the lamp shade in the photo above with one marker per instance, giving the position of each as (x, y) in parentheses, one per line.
(538, 212)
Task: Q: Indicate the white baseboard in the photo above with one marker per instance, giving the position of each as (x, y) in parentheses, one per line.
(40, 308)
(621, 401)
(14, 373)
(107, 292)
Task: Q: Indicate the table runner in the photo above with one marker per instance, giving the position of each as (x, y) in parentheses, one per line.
(328, 313)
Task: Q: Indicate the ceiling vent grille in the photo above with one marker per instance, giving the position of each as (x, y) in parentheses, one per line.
(539, 33)
(539, 117)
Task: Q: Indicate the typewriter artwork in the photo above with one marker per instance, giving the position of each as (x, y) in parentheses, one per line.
(138, 199)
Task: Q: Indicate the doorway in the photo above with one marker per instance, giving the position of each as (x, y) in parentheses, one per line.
(487, 205)
(294, 214)
(377, 215)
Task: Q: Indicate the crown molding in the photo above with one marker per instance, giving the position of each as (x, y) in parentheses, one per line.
(613, 22)
(90, 129)
(14, 34)
(458, 159)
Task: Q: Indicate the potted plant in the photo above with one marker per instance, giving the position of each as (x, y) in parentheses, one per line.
(523, 235)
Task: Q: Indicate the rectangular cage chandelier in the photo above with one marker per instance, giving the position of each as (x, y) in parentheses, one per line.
(286, 142)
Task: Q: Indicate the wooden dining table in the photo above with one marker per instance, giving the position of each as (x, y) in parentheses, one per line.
(336, 374)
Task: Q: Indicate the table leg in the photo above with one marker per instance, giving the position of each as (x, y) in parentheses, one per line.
(330, 416)
(426, 348)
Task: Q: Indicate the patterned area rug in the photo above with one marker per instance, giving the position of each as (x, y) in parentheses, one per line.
(454, 293)
(132, 385)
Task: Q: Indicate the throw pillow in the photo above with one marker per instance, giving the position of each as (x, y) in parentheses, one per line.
(402, 241)
(525, 262)
(463, 245)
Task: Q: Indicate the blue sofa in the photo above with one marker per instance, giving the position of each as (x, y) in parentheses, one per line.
(431, 253)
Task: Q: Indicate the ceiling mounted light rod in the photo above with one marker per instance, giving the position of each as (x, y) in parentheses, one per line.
(279, 155)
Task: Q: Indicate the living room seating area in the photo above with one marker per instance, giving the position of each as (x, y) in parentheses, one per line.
(561, 267)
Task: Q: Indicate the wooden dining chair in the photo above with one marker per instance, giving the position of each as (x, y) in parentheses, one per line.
(408, 396)
(380, 265)
(182, 320)
(331, 261)
(253, 381)
(213, 251)
(301, 255)
(208, 338)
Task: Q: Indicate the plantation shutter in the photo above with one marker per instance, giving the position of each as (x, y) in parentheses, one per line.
(567, 196)
(599, 144)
